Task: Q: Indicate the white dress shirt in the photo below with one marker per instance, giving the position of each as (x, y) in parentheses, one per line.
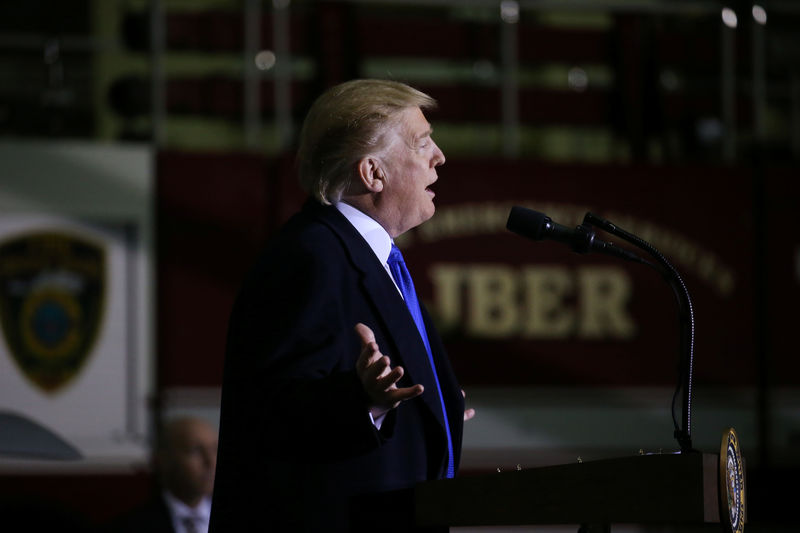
(378, 239)
(179, 512)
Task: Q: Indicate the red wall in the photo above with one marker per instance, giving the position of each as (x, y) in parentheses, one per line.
(214, 213)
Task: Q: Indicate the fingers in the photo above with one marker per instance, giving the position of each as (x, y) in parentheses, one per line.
(377, 376)
(468, 413)
(369, 348)
(407, 393)
(381, 378)
(370, 354)
(387, 378)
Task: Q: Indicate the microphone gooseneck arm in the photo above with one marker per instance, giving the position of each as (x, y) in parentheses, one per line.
(683, 432)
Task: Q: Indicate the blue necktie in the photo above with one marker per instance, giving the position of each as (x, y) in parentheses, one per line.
(403, 279)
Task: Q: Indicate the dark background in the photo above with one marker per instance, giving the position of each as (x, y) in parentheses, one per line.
(650, 136)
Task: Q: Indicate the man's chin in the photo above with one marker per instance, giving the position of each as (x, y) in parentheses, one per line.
(430, 212)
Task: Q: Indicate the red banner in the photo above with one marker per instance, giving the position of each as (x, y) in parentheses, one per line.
(516, 312)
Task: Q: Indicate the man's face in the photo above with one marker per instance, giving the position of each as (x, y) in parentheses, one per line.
(191, 460)
(409, 164)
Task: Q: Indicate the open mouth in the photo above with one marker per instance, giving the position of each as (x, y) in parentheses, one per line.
(429, 190)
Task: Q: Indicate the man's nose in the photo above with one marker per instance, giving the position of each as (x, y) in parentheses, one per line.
(438, 158)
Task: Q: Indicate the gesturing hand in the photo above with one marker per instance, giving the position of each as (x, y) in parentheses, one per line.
(468, 413)
(378, 378)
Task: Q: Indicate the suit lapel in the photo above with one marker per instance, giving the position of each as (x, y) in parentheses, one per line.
(399, 326)
(405, 336)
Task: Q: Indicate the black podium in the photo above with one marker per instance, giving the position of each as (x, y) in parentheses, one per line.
(643, 489)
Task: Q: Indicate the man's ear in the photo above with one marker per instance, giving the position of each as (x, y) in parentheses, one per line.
(371, 174)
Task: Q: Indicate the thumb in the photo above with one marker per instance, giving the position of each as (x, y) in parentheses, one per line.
(366, 334)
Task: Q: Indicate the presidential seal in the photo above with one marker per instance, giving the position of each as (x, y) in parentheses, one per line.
(52, 288)
(731, 483)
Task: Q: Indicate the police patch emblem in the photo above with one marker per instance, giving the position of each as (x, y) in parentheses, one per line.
(52, 291)
(731, 483)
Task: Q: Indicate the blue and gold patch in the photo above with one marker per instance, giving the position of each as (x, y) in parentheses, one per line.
(52, 292)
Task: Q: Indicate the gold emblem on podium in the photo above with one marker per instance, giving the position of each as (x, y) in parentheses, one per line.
(731, 483)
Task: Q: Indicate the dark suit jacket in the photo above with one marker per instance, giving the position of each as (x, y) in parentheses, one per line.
(297, 449)
(150, 517)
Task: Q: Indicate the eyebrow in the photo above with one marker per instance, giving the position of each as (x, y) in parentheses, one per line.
(426, 133)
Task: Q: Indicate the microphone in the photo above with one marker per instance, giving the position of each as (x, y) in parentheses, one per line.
(538, 227)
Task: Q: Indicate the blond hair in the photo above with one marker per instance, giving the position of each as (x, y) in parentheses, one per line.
(345, 124)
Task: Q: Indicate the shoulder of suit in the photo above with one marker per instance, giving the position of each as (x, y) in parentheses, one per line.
(322, 229)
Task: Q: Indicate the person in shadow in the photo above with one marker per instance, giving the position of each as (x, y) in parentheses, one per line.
(185, 461)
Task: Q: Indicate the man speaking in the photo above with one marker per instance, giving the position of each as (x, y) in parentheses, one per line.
(336, 386)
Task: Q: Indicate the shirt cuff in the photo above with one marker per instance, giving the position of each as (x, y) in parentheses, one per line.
(377, 421)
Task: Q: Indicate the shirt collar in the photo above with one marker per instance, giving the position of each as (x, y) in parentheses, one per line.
(372, 232)
(181, 510)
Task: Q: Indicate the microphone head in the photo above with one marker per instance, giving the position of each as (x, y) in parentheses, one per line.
(527, 222)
